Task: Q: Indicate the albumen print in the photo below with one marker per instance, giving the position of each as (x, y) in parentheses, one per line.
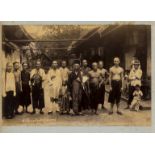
(75, 74)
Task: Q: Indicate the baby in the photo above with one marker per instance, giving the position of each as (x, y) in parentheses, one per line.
(137, 95)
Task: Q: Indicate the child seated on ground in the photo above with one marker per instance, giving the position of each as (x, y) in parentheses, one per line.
(64, 99)
(137, 95)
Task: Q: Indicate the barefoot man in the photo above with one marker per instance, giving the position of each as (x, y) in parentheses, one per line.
(104, 80)
(94, 77)
(116, 83)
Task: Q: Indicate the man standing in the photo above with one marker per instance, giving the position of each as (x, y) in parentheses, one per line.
(75, 87)
(85, 69)
(17, 74)
(55, 82)
(25, 77)
(9, 91)
(104, 79)
(116, 83)
(65, 104)
(37, 77)
(85, 103)
(64, 71)
(94, 76)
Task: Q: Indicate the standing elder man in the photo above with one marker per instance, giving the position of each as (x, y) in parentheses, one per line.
(75, 87)
(85, 103)
(116, 83)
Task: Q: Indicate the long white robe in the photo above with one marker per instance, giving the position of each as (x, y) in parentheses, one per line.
(46, 93)
(54, 87)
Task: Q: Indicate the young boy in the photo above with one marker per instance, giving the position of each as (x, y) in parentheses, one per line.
(137, 94)
(64, 99)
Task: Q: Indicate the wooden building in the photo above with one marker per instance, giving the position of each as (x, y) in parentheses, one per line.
(128, 42)
(124, 41)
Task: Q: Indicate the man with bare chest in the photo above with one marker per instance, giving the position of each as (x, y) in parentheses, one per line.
(94, 79)
(116, 83)
(17, 74)
(104, 80)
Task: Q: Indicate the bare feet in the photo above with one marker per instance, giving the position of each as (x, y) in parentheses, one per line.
(50, 113)
(41, 112)
(119, 113)
(110, 112)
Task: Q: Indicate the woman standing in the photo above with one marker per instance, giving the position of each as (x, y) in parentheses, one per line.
(135, 76)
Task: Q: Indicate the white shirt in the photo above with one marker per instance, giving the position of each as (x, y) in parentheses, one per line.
(64, 73)
(41, 72)
(135, 77)
(9, 83)
(137, 94)
(55, 82)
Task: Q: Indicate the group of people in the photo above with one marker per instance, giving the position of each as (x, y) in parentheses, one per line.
(78, 89)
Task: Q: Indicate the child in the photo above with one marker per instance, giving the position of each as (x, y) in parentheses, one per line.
(137, 94)
(64, 99)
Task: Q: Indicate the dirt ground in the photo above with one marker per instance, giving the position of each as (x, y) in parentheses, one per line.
(129, 118)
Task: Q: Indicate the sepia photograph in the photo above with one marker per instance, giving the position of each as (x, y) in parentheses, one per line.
(76, 75)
